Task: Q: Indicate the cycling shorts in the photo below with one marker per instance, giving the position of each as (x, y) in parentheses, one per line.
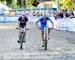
(22, 29)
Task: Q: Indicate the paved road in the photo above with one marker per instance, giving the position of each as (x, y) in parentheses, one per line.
(61, 46)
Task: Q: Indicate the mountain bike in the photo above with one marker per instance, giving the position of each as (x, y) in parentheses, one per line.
(22, 36)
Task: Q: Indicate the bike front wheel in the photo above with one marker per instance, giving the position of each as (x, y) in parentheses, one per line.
(21, 42)
(45, 44)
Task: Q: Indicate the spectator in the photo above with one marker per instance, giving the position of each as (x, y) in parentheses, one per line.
(60, 15)
(72, 13)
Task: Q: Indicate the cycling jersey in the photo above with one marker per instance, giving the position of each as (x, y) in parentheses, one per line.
(22, 21)
(43, 23)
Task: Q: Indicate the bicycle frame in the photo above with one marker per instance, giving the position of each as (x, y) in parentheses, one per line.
(21, 37)
(45, 37)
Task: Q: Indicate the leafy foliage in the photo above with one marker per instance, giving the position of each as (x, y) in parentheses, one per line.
(14, 3)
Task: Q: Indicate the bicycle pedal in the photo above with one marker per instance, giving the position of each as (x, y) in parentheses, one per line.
(43, 45)
(18, 41)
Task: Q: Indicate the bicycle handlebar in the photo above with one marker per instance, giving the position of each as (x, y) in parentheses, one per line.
(25, 29)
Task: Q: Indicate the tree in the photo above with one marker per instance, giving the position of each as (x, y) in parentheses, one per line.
(21, 3)
(15, 3)
(9, 2)
(66, 3)
(4, 1)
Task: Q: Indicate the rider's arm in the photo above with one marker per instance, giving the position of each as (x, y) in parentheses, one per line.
(51, 22)
(18, 22)
(37, 23)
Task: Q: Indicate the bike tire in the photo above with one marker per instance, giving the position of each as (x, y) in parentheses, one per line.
(45, 44)
(21, 42)
(46, 38)
(21, 46)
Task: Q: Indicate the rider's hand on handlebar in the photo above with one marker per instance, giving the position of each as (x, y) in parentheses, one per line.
(17, 27)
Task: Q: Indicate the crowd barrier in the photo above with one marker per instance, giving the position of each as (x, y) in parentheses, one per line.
(67, 24)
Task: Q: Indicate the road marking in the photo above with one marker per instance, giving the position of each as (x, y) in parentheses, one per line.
(69, 51)
(44, 54)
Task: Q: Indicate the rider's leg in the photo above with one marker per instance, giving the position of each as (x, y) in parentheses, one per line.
(19, 34)
(42, 36)
(49, 25)
(49, 33)
(42, 33)
(48, 30)
(24, 35)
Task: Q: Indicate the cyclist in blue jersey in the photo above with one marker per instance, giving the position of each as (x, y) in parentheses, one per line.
(44, 22)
